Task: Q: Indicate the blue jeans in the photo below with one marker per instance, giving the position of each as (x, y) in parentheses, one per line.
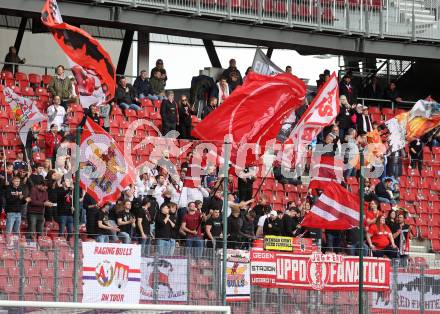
(195, 246)
(125, 237)
(333, 242)
(123, 105)
(385, 200)
(145, 247)
(35, 223)
(355, 249)
(102, 238)
(164, 247)
(151, 97)
(66, 221)
(13, 221)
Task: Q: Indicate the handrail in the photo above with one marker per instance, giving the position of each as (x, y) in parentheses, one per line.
(393, 104)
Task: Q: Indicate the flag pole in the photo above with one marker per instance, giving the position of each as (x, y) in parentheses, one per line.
(5, 165)
(76, 215)
(361, 231)
(225, 217)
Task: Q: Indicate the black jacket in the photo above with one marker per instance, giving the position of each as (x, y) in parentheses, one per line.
(125, 95)
(185, 115)
(350, 93)
(381, 191)
(168, 112)
(207, 110)
(142, 87)
(344, 118)
(374, 91)
(13, 201)
(276, 228)
(360, 124)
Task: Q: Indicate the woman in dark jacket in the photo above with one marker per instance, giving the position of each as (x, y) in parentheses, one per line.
(185, 117)
(52, 193)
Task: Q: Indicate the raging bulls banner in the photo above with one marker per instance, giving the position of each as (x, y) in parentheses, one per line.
(111, 273)
(169, 276)
(25, 111)
(253, 114)
(105, 172)
(318, 271)
(407, 126)
(410, 288)
(238, 283)
(90, 64)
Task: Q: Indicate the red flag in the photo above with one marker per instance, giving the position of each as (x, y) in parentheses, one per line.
(323, 170)
(322, 112)
(91, 65)
(104, 170)
(254, 112)
(336, 209)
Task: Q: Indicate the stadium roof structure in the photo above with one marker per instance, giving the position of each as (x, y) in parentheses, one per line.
(167, 18)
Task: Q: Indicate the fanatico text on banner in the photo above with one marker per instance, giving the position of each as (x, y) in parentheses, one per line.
(168, 275)
(318, 271)
(111, 273)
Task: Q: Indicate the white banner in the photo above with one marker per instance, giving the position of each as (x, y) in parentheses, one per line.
(111, 273)
(238, 276)
(263, 65)
(25, 111)
(170, 275)
(409, 293)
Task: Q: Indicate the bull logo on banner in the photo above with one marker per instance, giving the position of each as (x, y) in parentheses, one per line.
(318, 269)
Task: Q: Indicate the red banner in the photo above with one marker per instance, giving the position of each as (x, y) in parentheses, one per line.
(318, 271)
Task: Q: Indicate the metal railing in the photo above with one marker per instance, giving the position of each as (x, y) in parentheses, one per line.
(40, 273)
(408, 19)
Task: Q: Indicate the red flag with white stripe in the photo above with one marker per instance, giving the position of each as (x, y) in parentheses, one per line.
(335, 209)
(323, 170)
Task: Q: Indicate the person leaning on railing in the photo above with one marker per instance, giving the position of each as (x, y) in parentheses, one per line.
(12, 60)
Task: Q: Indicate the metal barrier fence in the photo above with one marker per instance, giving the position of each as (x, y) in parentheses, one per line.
(44, 273)
(417, 19)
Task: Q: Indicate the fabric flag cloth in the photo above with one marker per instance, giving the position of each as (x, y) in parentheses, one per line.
(322, 112)
(91, 65)
(335, 209)
(263, 65)
(407, 126)
(26, 113)
(323, 170)
(105, 172)
(253, 114)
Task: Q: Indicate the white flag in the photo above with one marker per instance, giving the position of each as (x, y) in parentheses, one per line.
(25, 111)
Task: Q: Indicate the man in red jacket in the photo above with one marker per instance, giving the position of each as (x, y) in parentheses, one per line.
(53, 140)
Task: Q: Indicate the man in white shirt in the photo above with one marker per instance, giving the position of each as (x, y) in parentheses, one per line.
(56, 113)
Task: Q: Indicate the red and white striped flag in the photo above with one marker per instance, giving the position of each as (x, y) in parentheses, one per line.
(336, 209)
(323, 170)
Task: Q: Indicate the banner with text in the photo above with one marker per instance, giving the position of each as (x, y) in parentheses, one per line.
(238, 272)
(317, 271)
(168, 275)
(410, 287)
(111, 273)
(289, 244)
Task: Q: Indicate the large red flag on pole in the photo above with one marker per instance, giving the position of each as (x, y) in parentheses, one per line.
(325, 169)
(254, 112)
(335, 209)
(105, 172)
(91, 65)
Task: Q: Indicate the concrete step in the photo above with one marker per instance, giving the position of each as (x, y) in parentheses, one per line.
(419, 249)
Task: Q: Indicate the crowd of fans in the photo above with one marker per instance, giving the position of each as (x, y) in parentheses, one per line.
(151, 209)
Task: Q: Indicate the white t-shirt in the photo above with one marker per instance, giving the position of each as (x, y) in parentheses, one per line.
(56, 116)
(261, 220)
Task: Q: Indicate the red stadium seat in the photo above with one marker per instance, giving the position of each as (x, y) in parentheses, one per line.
(46, 79)
(34, 79)
(27, 91)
